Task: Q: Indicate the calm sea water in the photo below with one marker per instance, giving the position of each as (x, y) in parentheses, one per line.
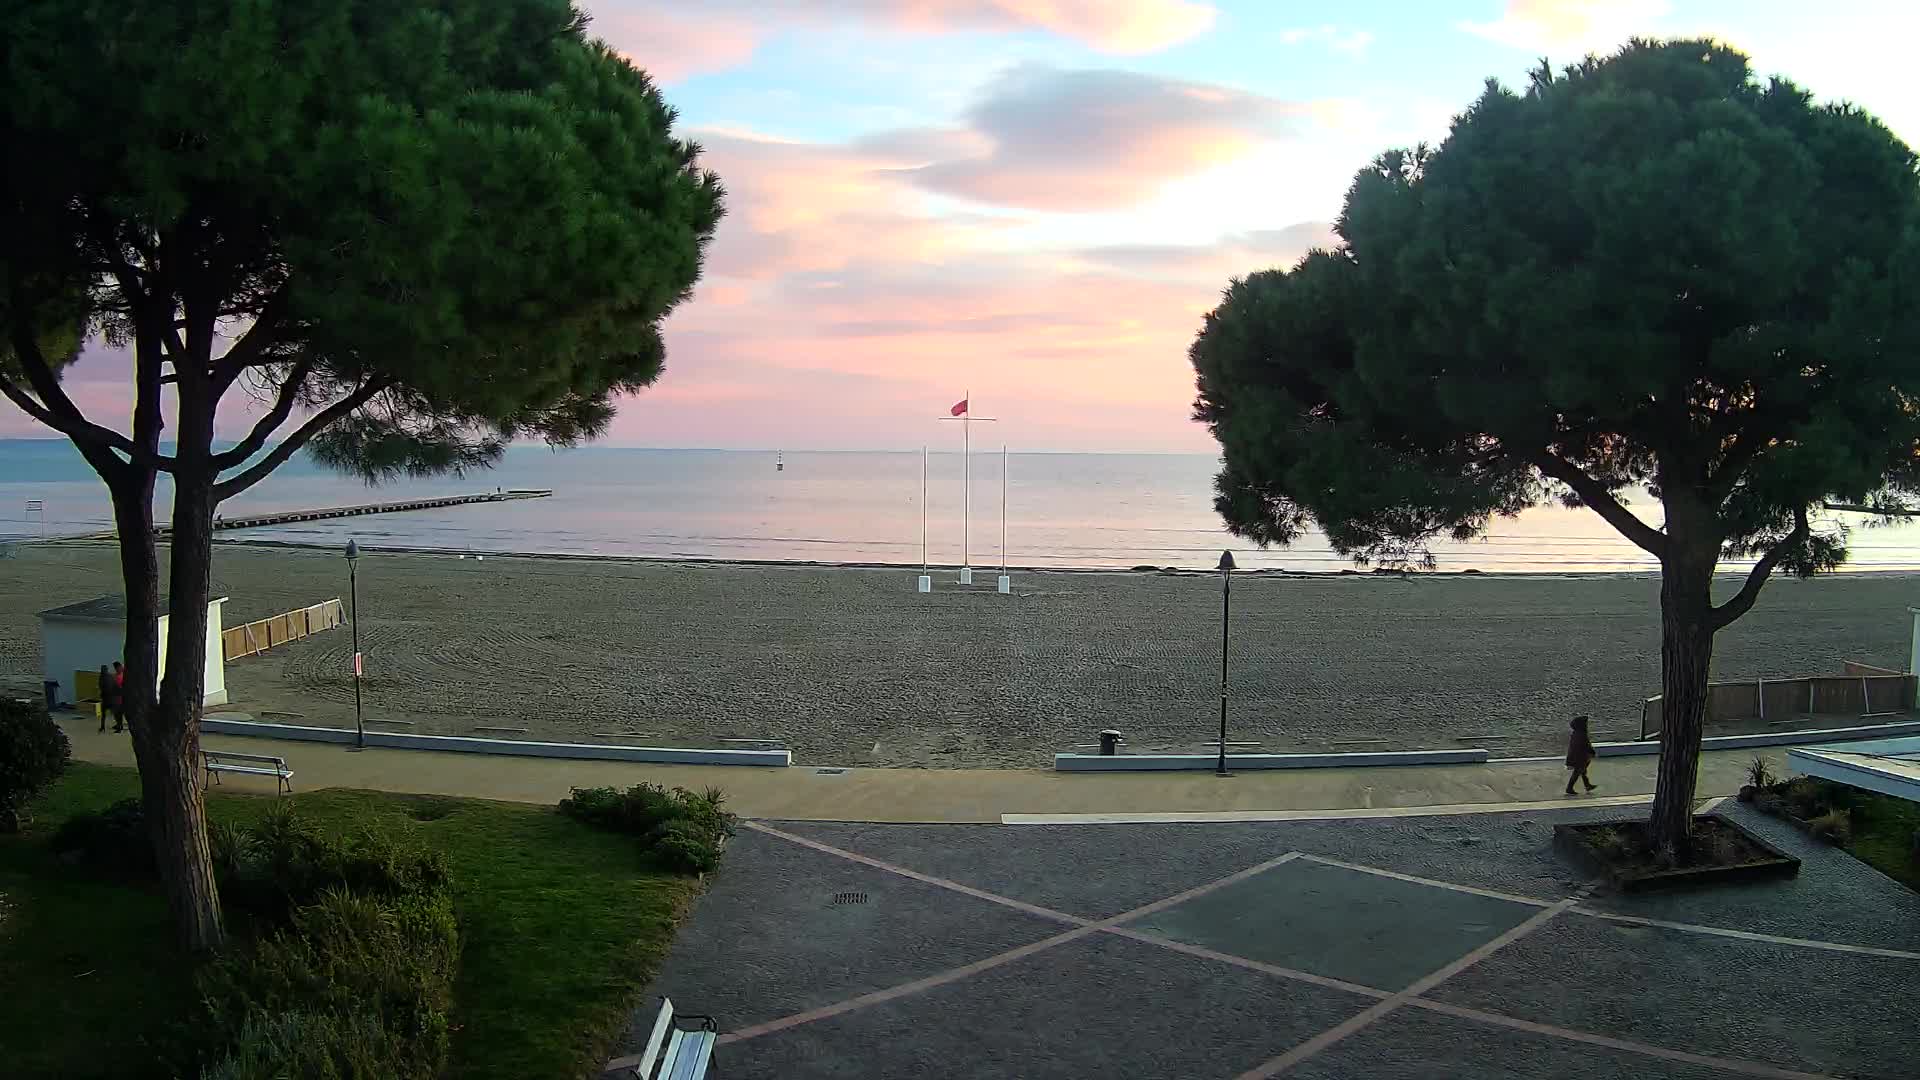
(1083, 510)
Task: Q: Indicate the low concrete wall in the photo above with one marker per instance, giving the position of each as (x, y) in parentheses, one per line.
(1169, 762)
(659, 755)
(1768, 738)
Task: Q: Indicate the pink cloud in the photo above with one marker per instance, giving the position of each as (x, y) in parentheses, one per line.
(1049, 139)
(671, 44)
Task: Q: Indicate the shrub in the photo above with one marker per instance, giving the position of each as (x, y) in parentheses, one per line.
(281, 863)
(307, 1046)
(679, 830)
(1760, 774)
(685, 846)
(1834, 826)
(33, 753)
(371, 976)
(114, 838)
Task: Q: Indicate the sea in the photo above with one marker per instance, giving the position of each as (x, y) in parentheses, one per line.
(1026, 510)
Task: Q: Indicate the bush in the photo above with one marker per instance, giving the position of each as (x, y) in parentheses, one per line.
(305, 1045)
(1760, 774)
(281, 863)
(679, 830)
(33, 753)
(113, 839)
(370, 978)
(1834, 826)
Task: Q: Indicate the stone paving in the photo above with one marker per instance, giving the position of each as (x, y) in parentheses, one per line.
(1403, 947)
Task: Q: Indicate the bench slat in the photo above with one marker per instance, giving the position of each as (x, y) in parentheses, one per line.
(249, 770)
(660, 1025)
(693, 1054)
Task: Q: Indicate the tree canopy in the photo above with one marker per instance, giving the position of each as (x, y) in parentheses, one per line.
(429, 226)
(1645, 271)
(410, 230)
(1650, 269)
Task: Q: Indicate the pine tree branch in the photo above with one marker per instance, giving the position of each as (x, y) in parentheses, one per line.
(315, 424)
(57, 411)
(1742, 601)
(283, 403)
(1601, 501)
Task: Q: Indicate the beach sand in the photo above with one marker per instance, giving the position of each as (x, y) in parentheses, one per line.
(851, 666)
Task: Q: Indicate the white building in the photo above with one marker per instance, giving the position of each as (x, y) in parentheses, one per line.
(81, 637)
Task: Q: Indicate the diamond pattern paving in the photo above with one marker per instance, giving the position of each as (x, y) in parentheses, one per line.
(1345, 924)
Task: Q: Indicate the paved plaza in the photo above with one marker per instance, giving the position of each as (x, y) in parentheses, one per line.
(1425, 946)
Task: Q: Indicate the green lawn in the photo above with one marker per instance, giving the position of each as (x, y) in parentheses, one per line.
(560, 931)
(1883, 830)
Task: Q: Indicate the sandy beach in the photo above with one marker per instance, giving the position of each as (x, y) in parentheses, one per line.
(851, 666)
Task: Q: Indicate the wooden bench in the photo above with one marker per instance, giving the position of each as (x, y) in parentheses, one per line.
(219, 761)
(687, 1053)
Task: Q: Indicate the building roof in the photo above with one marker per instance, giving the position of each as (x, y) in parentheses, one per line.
(1888, 766)
(111, 608)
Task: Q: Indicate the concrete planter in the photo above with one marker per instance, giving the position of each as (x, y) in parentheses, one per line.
(1766, 863)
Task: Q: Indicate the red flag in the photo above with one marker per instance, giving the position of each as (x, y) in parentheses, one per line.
(961, 408)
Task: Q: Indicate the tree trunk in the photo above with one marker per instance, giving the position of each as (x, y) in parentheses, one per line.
(170, 773)
(1686, 655)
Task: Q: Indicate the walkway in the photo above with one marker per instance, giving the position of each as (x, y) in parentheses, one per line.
(1454, 946)
(941, 795)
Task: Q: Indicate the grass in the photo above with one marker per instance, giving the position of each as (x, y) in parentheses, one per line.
(1883, 829)
(560, 931)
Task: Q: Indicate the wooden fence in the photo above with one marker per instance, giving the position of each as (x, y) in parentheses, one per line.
(264, 634)
(1865, 691)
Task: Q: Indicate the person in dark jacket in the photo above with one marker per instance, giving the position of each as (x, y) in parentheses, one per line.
(1580, 754)
(109, 701)
(119, 698)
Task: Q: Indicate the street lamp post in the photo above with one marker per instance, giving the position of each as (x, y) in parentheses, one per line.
(353, 620)
(1226, 612)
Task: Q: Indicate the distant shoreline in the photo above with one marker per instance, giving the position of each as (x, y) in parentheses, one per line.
(984, 571)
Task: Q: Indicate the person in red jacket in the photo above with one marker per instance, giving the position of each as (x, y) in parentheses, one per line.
(1580, 754)
(119, 698)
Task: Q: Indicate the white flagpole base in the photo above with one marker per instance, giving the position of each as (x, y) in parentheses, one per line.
(1006, 583)
(966, 575)
(926, 583)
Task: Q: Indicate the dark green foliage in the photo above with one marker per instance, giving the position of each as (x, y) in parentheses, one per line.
(468, 203)
(679, 830)
(281, 863)
(1648, 269)
(1760, 774)
(33, 753)
(1834, 826)
(361, 965)
(114, 839)
(370, 977)
(414, 230)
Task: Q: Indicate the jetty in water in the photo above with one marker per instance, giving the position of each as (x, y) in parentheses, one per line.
(287, 517)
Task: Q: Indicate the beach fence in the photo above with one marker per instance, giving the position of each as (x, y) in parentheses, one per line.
(263, 634)
(1864, 691)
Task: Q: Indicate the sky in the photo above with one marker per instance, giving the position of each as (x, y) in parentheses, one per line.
(1035, 201)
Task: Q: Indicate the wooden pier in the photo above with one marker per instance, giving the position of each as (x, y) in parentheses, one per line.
(287, 517)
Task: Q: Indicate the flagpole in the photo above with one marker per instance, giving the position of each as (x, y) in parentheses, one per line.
(966, 472)
(923, 508)
(1003, 509)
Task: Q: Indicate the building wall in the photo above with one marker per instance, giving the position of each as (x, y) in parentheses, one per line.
(69, 645)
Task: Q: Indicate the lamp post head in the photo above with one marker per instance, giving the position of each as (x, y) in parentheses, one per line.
(1226, 562)
(353, 551)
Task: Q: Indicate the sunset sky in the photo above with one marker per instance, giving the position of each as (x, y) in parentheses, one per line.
(1036, 200)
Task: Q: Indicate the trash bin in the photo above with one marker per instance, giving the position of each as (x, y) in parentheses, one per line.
(1109, 743)
(52, 689)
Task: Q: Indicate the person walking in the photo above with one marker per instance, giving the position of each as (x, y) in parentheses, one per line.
(119, 698)
(108, 702)
(1580, 754)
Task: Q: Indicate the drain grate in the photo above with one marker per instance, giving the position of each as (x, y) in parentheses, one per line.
(829, 772)
(842, 899)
